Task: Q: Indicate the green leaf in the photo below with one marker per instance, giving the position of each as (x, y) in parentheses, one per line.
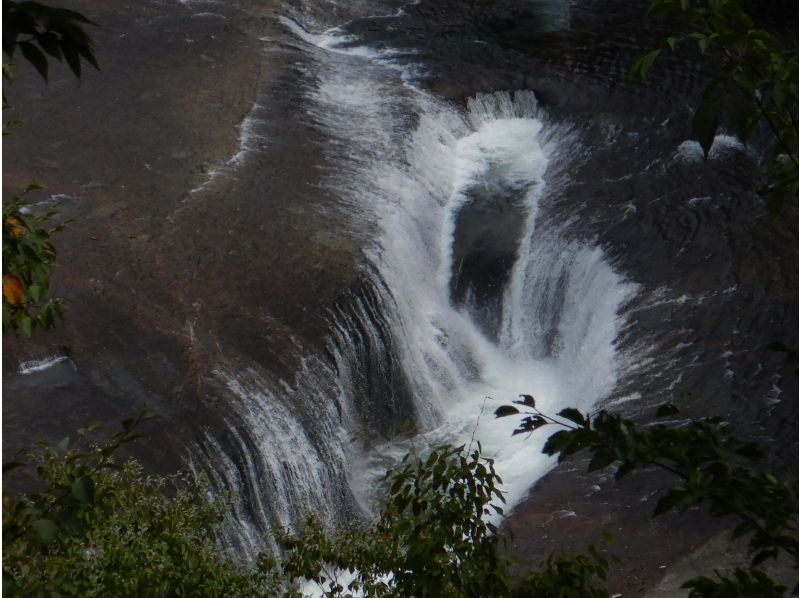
(706, 118)
(83, 489)
(35, 56)
(567, 442)
(45, 530)
(641, 67)
(527, 400)
(72, 58)
(88, 55)
(49, 43)
(26, 324)
(573, 415)
(529, 424)
(35, 292)
(505, 410)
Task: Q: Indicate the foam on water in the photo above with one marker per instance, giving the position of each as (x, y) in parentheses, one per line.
(33, 366)
(723, 145)
(249, 140)
(561, 302)
(333, 40)
(404, 166)
(559, 308)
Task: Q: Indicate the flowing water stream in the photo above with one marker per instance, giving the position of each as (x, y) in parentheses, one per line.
(433, 208)
(472, 299)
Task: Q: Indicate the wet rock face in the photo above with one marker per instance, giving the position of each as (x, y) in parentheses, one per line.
(171, 268)
(718, 276)
(168, 284)
(487, 235)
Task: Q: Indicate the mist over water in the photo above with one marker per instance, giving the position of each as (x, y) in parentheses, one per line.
(473, 300)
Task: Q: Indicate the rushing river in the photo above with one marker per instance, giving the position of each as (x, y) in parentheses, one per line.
(431, 208)
(486, 271)
(474, 300)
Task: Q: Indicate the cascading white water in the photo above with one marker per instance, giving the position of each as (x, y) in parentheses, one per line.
(287, 466)
(406, 166)
(559, 309)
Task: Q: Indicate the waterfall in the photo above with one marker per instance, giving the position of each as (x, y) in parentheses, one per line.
(472, 296)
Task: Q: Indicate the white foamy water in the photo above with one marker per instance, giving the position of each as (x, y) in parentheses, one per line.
(404, 165)
(250, 140)
(723, 145)
(559, 310)
(33, 366)
(285, 471)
